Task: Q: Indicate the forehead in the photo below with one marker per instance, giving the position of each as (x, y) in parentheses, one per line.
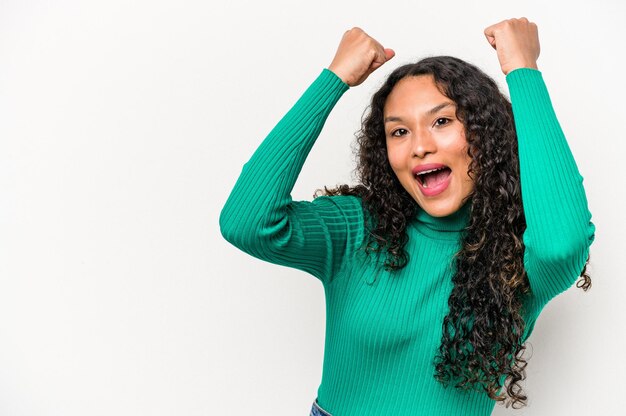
(415, 91)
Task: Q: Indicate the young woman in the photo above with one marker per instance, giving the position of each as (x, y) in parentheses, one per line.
(470, 216)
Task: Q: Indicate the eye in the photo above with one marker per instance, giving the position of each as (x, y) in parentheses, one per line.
(442, 118)
(393, 133)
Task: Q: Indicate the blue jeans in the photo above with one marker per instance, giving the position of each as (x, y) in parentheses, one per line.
(316, 410)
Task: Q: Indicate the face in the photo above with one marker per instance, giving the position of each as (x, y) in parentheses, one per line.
(421, 129)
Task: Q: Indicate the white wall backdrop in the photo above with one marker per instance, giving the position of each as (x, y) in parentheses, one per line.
(124, 126)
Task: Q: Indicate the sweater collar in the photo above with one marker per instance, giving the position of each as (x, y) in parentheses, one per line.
(443, 228)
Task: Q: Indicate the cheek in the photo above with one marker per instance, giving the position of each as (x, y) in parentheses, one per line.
(462, 157)
(395, 157)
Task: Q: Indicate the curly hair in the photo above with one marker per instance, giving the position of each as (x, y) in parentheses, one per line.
(481, 345)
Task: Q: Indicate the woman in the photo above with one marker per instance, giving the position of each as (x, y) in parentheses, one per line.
(470, 216)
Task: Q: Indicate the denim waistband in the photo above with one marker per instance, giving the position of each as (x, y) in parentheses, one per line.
(316, 410)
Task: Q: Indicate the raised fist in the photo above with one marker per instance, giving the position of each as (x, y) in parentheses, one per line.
(517, 43)
(358, 55)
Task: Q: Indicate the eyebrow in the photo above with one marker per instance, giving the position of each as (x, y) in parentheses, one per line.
(430, 112)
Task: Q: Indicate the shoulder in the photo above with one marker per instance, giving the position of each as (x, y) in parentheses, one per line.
(349, 207)
(346, 210)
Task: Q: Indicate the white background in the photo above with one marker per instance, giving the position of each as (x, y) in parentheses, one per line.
(124, 126)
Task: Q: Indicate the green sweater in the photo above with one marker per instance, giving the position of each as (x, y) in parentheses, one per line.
(383, 330)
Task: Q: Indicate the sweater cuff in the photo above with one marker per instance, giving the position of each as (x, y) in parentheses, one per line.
(522, 72)
(519, 78)
(329, 85)
(320, 96)
(327, 73)
(532, 105)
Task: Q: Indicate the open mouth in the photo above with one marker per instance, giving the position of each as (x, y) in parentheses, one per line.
(434, 177)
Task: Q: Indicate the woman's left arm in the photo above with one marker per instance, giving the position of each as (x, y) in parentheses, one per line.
(559, 230)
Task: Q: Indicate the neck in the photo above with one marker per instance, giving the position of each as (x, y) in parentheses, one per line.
(445, 228)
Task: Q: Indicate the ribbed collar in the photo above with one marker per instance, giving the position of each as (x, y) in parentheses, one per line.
(443, 228)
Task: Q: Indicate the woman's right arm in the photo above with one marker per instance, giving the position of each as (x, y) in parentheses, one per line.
(261, 218)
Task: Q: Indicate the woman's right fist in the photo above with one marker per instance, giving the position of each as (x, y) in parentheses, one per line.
(358, 55)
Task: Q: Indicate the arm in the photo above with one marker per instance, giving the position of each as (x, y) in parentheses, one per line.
(260, 216)
(559, 230)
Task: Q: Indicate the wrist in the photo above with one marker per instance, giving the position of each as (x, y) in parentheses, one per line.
(531, 65)
(335, 76)
(338, 73)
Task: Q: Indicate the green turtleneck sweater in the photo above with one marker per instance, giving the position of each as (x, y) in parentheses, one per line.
(383, 330)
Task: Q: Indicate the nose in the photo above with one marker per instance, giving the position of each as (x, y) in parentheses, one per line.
(423, 143)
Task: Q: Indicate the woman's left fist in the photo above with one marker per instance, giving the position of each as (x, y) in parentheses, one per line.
(517, 43)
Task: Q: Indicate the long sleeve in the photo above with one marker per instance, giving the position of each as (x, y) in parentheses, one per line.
(260, 217)
(559, 230)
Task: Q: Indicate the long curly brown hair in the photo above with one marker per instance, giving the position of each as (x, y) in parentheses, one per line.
(481, 345)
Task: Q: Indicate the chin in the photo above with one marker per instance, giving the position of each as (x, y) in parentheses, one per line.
(441, 208)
